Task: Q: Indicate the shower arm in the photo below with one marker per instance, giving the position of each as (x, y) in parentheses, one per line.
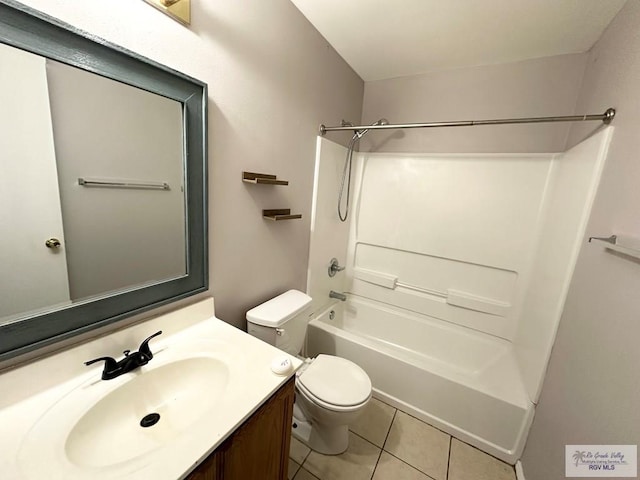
(605, 118)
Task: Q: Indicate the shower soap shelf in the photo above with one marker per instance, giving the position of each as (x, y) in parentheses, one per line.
(455, 298)
(620, 243)
(280, 214)
(262, 179)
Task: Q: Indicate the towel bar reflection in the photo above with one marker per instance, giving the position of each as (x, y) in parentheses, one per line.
(94, 182)
(612, 239)
(624, 244)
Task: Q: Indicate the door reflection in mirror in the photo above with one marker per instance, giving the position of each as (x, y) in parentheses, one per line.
(60, 123)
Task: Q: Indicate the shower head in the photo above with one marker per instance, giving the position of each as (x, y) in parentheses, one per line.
(361, 133)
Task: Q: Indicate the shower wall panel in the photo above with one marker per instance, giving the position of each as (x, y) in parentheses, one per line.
(453, 235)
(329, 235)
(575, 178)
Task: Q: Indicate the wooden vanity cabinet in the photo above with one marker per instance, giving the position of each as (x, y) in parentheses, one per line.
(259, 448)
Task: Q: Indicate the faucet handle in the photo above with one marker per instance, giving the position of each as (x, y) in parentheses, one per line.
(334, 267)
(144, 346)
(109, 362)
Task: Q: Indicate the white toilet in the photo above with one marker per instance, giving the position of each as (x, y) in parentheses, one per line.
(331, 392)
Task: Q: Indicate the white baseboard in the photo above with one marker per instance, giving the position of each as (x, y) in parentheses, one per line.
(519, 471)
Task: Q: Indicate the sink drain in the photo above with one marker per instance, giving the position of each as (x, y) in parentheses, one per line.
(149, 420)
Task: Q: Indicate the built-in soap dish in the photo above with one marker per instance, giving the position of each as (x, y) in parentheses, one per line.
(280, 214)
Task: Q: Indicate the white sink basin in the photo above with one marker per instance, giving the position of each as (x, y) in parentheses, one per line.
(180, 392)
(96, 427)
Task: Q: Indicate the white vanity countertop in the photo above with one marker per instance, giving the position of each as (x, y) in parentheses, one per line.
(44, 431)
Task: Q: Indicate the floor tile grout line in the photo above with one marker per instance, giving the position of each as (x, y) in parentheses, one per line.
(482, 451)
(297, 469)
(395, 411)
(426, 423)
(407, 463)
(357, 435)
(376, 465)
(368, 441)
(318, 478)
(403, 461)
(305, 457)
(383, 402)
(384, 442)
(449, 457)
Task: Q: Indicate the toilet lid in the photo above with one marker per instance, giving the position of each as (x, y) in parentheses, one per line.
(336, 381)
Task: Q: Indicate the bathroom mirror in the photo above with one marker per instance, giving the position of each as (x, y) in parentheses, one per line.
(102, 185)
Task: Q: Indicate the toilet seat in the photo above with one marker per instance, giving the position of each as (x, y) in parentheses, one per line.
(328, 406)
(335, 383)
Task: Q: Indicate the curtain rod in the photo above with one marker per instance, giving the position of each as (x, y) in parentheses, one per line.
(605, 117)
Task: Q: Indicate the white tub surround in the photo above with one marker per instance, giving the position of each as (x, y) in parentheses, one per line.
(45, 407)
(457, 269)
(570, 195)
(329, 236)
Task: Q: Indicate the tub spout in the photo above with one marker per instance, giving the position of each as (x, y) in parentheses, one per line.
(338, 295)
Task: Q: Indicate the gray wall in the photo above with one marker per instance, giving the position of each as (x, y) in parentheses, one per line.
(591, 394)
(272, 80)
(539, 87)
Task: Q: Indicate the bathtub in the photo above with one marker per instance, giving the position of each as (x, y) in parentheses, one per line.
(463, 382)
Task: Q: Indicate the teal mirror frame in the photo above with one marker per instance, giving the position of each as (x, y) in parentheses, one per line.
(35, 32)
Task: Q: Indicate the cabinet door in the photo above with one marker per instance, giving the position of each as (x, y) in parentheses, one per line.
(259, 450)
(209, 469)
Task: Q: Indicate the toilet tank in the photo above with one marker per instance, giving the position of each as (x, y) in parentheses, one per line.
(281, 321)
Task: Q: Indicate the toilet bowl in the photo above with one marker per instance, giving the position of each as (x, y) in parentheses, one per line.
(331, 392)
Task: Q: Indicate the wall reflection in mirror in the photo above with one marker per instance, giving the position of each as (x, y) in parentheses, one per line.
(59, 124)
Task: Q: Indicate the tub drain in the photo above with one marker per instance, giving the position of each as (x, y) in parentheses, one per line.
(149, 420)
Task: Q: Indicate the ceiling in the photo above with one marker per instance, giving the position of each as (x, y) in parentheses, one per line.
(392, 38)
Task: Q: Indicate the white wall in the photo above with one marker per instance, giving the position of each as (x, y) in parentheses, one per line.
(591, 392)
(272, 80)
(531, 88)
(117, 238)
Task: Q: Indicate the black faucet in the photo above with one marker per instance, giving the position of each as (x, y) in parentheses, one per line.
(131, 361)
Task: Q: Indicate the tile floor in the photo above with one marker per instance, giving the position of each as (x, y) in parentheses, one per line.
(388, 444)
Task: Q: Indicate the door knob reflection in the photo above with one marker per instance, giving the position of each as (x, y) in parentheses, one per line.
(53, 243)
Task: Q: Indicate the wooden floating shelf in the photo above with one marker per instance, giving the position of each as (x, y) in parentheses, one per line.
(262, 179)
(280, 214)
